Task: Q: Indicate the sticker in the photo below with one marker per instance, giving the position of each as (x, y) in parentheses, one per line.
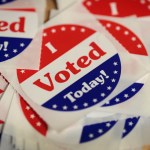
(132, 43)
(116, 8)
(130, 124)
(92, 132)
(125, 95)
(142, 7)
(110, 7)
(86, 133)
(5, 1)
(18, 28)
(75, 74)
(33, 118)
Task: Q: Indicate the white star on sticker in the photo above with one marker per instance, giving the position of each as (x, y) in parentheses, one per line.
(118, 28)
(133, 38)
(115, 63)
(44, 34)
(95, 100)
(117, 99)
(91, 135)
(131, 123)
(108, 25)
(22, 44)
(27, 108)
(126, 32)
(124, 131)
(113, 80)
(126, 95)
(3, 1)
(82, 30)
(53, 30)
(63, 29)
(73, 28)
(15, 51)
(85, 104)
(22, 71)
(109, 88)
(100, 131)
(89, 3)
(133, 90)
(108, 124)
(108, 102)
(6, 55)
(102, 94)
(139, 46)
(75, 107)
(115, 72)
(32, 116)
(54, 106)
(142, 1)
(38, 124)
(65, 107)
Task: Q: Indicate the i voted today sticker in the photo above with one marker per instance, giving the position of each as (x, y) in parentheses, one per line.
(5, 1)
(116, 8)
(16, 32)
(79, 68)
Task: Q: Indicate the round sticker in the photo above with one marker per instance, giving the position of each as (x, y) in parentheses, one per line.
(79, 68)
(86, 133)
(16, 32)
(116, 9)
(5, 1)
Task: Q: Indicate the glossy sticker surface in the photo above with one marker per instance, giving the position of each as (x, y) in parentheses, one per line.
(16, 32)
(78, 69)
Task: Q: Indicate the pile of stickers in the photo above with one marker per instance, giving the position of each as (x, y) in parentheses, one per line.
(79, 81)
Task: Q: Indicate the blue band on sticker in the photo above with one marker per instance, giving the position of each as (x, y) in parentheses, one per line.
(130, 125)
(5, 1)
(11, 47)
(92, 132)
(89, 90)
(124, 95)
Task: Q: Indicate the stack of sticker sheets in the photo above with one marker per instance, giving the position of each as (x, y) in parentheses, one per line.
(80, 81)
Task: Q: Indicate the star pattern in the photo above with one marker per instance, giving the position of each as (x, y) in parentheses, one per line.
(125, 95)
(135, 7)
(130, 124)
(13, 49)
(89, 99)
(94, 131)
(133, 44)
(33, 118)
